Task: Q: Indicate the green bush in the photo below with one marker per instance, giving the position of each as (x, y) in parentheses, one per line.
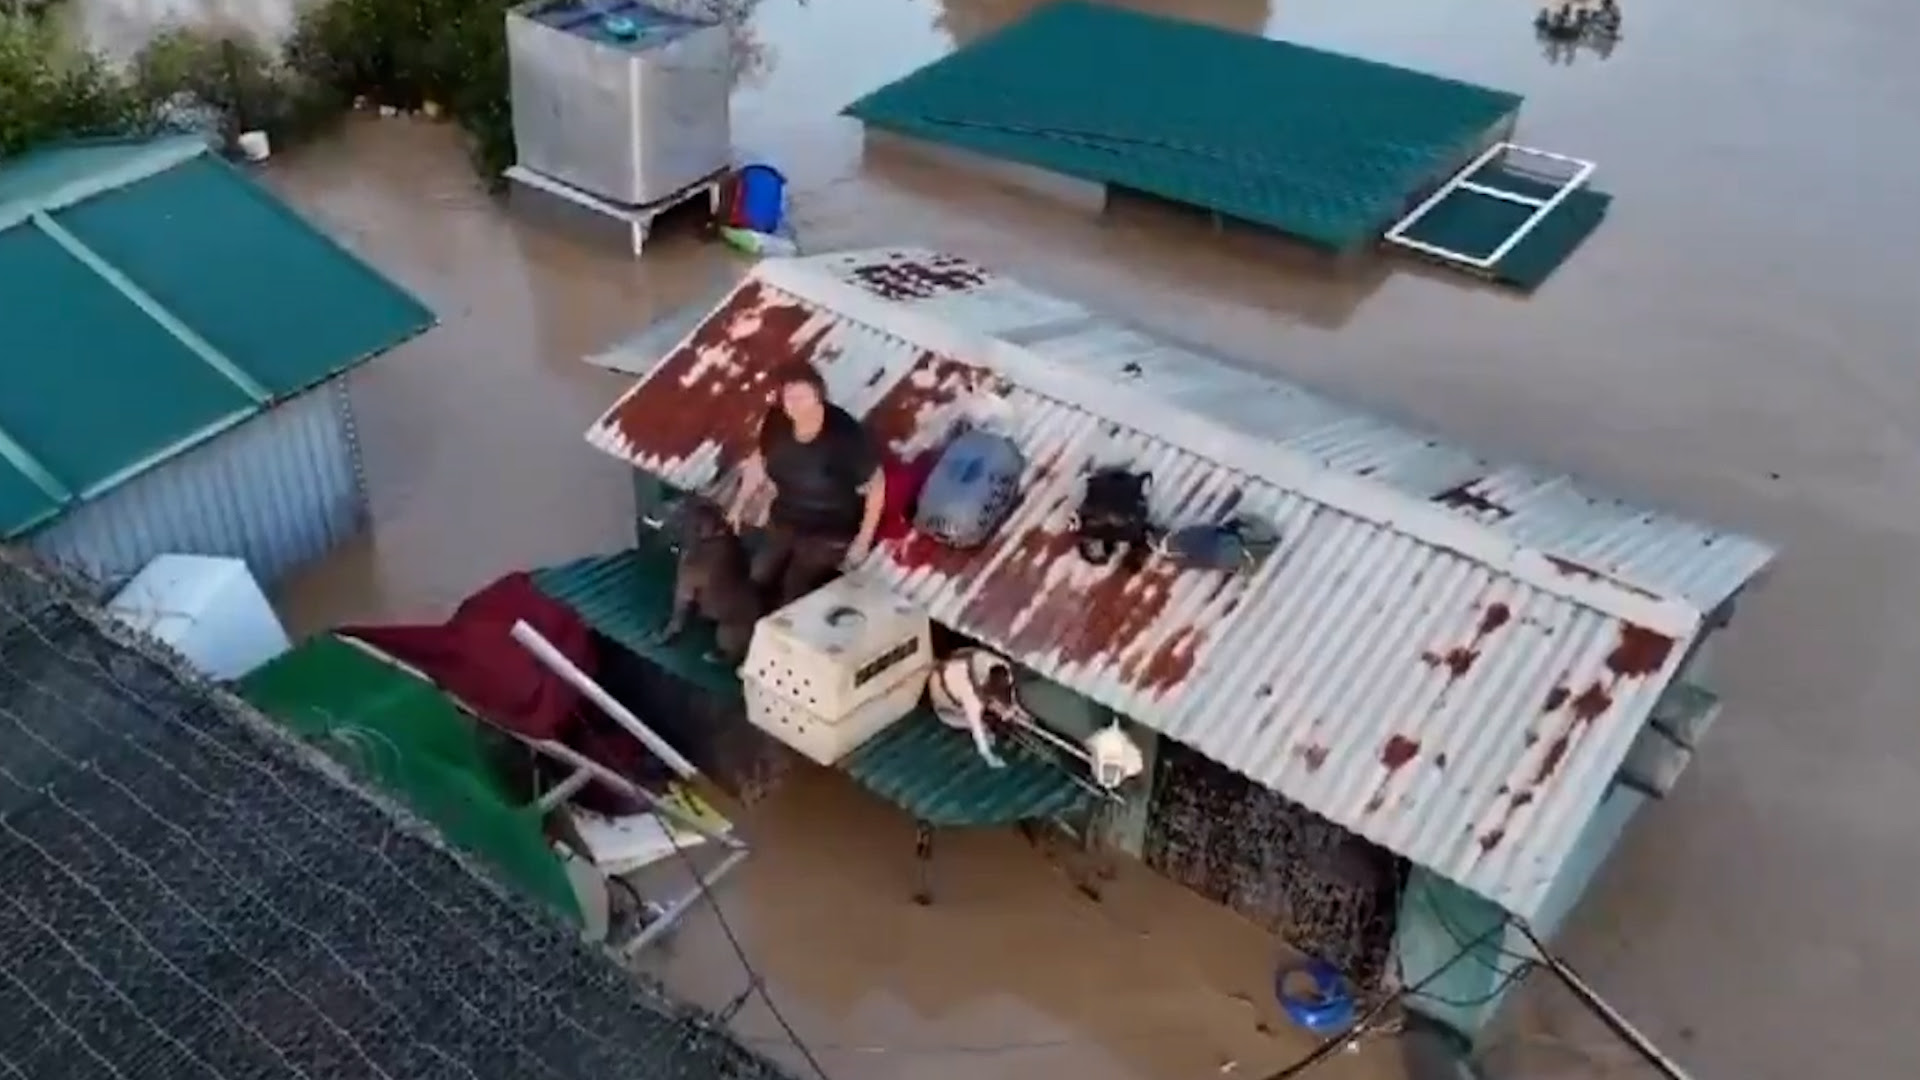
(445, 55)
(50, 90)
(449, 55)
(235, 78)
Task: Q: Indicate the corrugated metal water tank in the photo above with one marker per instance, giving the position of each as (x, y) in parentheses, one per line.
(622, 100)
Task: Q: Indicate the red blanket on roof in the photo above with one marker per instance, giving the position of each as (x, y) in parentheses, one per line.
(473, 657)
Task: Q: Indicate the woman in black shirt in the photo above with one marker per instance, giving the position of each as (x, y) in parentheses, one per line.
(827, 487)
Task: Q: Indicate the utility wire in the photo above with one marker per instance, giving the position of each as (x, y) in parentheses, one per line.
(1602, 1011)
(1333, 1045)
(756, 983)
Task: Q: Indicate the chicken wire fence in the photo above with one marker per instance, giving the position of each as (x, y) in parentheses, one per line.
(185, 892)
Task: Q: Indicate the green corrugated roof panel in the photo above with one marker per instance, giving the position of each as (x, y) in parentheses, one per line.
(1329, 148)
(154, 294)
(279, 298)
(919, 764)
(91, 385)
(627, 597)
(934, 773)
(402, 734)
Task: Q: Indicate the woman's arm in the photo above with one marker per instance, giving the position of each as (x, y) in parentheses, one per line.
(752, 473)
(876, 501)
(753, 484)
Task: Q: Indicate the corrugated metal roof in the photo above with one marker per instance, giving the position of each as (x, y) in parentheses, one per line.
(157, 296)
(1447, 657)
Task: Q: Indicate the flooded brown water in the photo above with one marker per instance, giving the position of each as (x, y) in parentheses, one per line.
(1734, 343)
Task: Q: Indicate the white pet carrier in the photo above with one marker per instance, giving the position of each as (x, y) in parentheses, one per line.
(835, 667)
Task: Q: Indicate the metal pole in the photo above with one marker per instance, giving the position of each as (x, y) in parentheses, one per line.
(1604, 1012)
(552, 659)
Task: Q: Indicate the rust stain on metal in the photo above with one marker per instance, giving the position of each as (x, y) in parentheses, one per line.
(933, 383)
(1397, 751)
(1494, 617)
(919, 279)
(1556, 697)
(1315, 755)
(1440, 760)
(715, 388)
(1459, 659)
(1640, 652)
(1463, 497)
(1592, 703)
(1491, 840)
(1043, 598)
(1550, 764)
(1170, 663)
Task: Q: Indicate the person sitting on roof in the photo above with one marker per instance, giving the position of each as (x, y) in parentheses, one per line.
(827, 486)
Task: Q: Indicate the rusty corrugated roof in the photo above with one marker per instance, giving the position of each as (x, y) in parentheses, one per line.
(1438, 656)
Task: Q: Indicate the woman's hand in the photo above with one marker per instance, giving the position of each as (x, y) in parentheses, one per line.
(753, 481)
(858, 551)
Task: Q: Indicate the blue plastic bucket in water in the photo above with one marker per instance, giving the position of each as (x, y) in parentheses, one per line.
(763, 192)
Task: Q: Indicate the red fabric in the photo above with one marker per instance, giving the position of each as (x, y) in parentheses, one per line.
(473, 656)
(904, 480)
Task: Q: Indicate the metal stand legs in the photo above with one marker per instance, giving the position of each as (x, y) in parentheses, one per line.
(923, 863)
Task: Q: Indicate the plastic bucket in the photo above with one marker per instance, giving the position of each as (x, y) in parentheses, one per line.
(763, 193)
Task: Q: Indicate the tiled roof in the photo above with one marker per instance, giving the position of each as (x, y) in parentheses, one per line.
(1447, 656)
(156, 297)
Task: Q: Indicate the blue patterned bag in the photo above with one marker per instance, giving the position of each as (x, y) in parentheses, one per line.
(972, 490)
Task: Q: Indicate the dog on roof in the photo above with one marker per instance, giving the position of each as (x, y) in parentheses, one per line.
(712, 579)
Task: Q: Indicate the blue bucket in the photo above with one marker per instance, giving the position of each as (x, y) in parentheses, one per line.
(1316, 996)
(763, 194)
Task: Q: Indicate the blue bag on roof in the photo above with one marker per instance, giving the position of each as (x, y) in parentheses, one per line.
(972, 490)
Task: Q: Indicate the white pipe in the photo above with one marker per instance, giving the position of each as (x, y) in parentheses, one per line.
(551, 658)
(566, 789)
(665, 921)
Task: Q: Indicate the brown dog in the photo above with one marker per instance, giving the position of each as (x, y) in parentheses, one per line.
(712, 579)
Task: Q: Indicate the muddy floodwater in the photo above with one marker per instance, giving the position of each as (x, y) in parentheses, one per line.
(1737, 342)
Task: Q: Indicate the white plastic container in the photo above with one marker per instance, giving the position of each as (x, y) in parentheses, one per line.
(209, 610)
(836, 667)
(254, 146)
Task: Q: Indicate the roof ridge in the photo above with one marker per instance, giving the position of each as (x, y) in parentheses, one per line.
(162, 154)
(1371, 501)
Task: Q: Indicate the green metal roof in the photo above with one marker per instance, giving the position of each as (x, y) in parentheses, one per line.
(919, 764)
(157, 296)
(1326, 147)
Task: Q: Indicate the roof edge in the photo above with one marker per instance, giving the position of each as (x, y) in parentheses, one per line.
(162, 154)
(1289, 470)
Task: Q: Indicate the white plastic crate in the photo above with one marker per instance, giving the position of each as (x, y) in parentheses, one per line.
(823, 740)
(835, 667)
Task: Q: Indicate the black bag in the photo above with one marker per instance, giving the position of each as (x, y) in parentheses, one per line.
(1114, 518)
